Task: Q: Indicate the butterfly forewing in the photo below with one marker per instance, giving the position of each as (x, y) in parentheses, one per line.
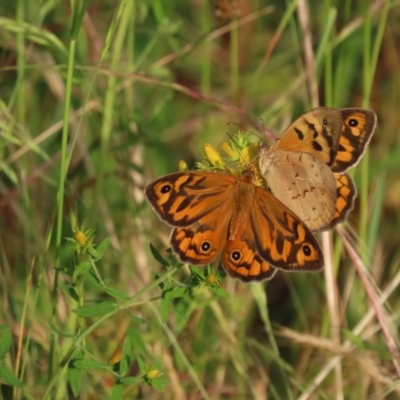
(316, 132)
(183, 198)
(356, 132)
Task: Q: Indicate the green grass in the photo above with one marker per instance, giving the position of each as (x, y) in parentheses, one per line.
(98, 99)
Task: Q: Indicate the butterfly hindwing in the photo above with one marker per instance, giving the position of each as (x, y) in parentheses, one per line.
(303, 183)
(241, 259)
(268, 235)
(200, 243)
(288, 244)
(346, 193)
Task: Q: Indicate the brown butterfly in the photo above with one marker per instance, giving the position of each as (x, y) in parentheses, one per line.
(305, 168)
(218, 216)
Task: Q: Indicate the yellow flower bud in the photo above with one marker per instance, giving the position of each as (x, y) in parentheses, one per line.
(182, 166)
(80, 238)
(213, 156)
(153, 373)
(227, 148)
(211, 279)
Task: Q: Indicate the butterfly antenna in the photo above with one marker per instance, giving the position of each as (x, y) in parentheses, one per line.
(230, 136)
(239, 126)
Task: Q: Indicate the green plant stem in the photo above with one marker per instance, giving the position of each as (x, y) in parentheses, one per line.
(60, 194)
(20, 98)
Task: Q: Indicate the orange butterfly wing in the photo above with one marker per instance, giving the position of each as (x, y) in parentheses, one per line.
(218, 214)
(338, 139)
(346, 193)
(272, 232)
(358, 126)
(315, 132)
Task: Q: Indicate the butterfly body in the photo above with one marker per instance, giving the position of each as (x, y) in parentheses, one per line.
(218, 216)
(304, 168)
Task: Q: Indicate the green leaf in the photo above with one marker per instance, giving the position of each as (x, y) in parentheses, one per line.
(91, 364)
(137, 320)
(92, 278)
(5, 343)
(60, 332)
(33, 33)
(220, 292)
(94, 253)
(167, 287)
(8, 376)
(102, 247)
(165, 302)
(126, 357)
(136, 338)
(175, 293)
(141, 364)
(130, 380)
(158, 256)
(159, 383)
(164, 308)
(96, 310)
(117, 392)
(82, 268)
(198, 273)
(116, 293)
(78, 11)
(75, 375)
(69, 289)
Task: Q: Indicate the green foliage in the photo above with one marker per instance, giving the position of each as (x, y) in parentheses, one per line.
(5, 373)
(98, 99)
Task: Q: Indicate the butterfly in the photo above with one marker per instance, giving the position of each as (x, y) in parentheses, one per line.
(220, 216)
(306, 167)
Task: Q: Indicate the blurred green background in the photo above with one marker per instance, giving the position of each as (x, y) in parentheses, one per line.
(97, 99)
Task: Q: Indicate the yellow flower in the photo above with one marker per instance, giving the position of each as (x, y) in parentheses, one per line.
(248, 154)
(211, 279)
(227, 148)
(182, 166)
(153, 373)
(213, 156)
(80, 238)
